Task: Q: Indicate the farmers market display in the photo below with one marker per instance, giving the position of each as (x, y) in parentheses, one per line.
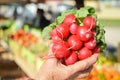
(26, 45)
(76, 35)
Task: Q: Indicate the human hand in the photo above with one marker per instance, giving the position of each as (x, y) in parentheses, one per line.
(53, 69)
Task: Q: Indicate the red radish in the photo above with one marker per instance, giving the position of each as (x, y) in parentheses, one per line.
(96, 50)
(53, 33)
(94, 32)
(71, 59)
(84, 53)
(73, 28)
(84, 33)
(62, 30)
(69, 19)
(54, 36)
(74, 42)
(60, 49)
(91, 43)
(56, 39)
(89, 22)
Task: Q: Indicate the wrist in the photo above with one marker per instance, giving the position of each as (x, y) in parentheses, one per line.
(30, 79)
(42, 77)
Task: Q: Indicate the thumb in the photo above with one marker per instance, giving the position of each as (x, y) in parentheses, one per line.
(83, 64)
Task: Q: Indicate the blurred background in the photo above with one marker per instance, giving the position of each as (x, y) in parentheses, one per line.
(21, 45)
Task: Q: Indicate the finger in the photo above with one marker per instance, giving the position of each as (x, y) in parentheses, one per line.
(81, 74)
(83, 64)
(50, 57)
(85, 73)
(89, 69)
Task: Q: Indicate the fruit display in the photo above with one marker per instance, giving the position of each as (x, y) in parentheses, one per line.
(24, 38)
(103, 73)
(28, 48)
(25, 44)
(76, 35)
(104, 69)
(30, 39)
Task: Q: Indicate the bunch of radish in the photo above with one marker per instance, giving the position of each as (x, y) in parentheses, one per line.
(75, 37)
(72, 42)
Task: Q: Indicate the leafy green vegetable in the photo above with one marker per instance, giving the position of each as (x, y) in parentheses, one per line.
(90, 9)
(46, 31)
(81, 13)
(93, 15)
(6, 24)
(60, 19)
(100, 36)
(72, 11)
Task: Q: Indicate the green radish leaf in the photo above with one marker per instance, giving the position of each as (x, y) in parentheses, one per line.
(100, 37)
(60, 19)
(46, 32)
(72, 11)
(81, 13)
(90, 9)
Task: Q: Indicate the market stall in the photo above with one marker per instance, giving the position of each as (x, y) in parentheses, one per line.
(28, 48)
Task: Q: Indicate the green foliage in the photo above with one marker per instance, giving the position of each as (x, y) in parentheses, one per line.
(46, 31)
(100, 35)
(6, 24)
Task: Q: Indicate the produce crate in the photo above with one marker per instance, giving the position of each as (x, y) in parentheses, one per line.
(27, 61)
